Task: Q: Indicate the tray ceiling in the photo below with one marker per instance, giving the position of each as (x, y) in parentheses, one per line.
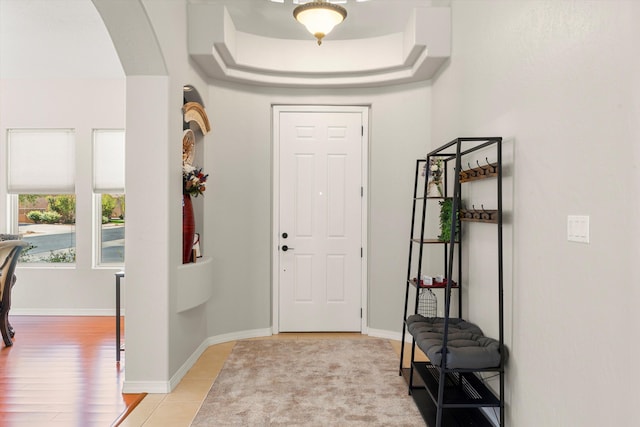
(380, 43)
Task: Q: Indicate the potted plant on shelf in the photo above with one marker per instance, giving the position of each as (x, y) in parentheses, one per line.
(446, 210)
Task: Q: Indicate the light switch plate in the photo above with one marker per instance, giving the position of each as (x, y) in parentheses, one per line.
(578, 228)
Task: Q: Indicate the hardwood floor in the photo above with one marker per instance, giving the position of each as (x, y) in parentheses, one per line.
(62, 371)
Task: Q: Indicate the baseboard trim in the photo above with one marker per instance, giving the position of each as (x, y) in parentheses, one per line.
(161, 387)
(64, 312)
(390, 335)
(242, 335)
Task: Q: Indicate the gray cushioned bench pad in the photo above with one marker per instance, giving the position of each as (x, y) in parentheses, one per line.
(467, 346)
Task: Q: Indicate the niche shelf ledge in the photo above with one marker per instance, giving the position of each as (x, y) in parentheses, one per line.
(194, 284)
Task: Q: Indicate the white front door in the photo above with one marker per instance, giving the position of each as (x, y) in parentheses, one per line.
(319, 229)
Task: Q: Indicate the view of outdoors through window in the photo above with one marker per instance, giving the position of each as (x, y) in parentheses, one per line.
(112, 230)
(47, 223)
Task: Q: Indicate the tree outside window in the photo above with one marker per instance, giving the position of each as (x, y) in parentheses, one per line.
(47, 223)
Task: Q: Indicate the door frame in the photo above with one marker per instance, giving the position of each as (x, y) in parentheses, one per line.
(276, 110)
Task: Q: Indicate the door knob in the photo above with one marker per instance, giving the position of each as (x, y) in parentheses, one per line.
(285, 235)
(286, 248)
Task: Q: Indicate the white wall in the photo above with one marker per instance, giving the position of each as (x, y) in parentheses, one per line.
(561, 79)
(238, 200)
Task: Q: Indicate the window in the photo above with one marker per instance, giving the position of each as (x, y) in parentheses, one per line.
(108, 189)
(47, 223)
(110, 241)
(41, 183)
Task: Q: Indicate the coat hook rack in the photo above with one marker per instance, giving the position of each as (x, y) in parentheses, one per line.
(478, 172)
(478, 215)
(490, 168)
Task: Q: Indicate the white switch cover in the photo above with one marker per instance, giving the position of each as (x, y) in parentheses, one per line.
(578, 228)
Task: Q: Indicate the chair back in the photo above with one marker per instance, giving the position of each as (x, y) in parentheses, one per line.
(9, 253)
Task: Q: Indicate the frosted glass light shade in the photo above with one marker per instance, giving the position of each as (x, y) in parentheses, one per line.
(319, 17)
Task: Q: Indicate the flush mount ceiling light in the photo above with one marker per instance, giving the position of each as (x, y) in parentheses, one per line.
(319, 17)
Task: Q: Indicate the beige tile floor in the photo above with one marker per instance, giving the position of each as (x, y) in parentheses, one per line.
(178, 408)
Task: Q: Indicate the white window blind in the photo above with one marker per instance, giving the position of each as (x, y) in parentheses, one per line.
(108, 161)
(41, 161)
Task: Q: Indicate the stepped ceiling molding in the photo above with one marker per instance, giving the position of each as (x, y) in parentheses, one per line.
(227, 47)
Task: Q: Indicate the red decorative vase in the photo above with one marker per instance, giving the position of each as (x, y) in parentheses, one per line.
(188, 228)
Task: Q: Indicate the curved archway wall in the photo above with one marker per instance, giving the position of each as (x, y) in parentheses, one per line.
(159, 340)
(162, 343)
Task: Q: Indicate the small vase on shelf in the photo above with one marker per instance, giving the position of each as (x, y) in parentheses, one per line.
(434, 176)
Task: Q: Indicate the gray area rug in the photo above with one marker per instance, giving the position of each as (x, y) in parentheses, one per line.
(309, 382)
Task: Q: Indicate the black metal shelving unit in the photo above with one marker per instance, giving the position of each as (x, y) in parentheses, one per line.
(445, 396)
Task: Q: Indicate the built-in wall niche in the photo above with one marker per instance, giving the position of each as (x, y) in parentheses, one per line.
(194, 175)
(194, 285)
